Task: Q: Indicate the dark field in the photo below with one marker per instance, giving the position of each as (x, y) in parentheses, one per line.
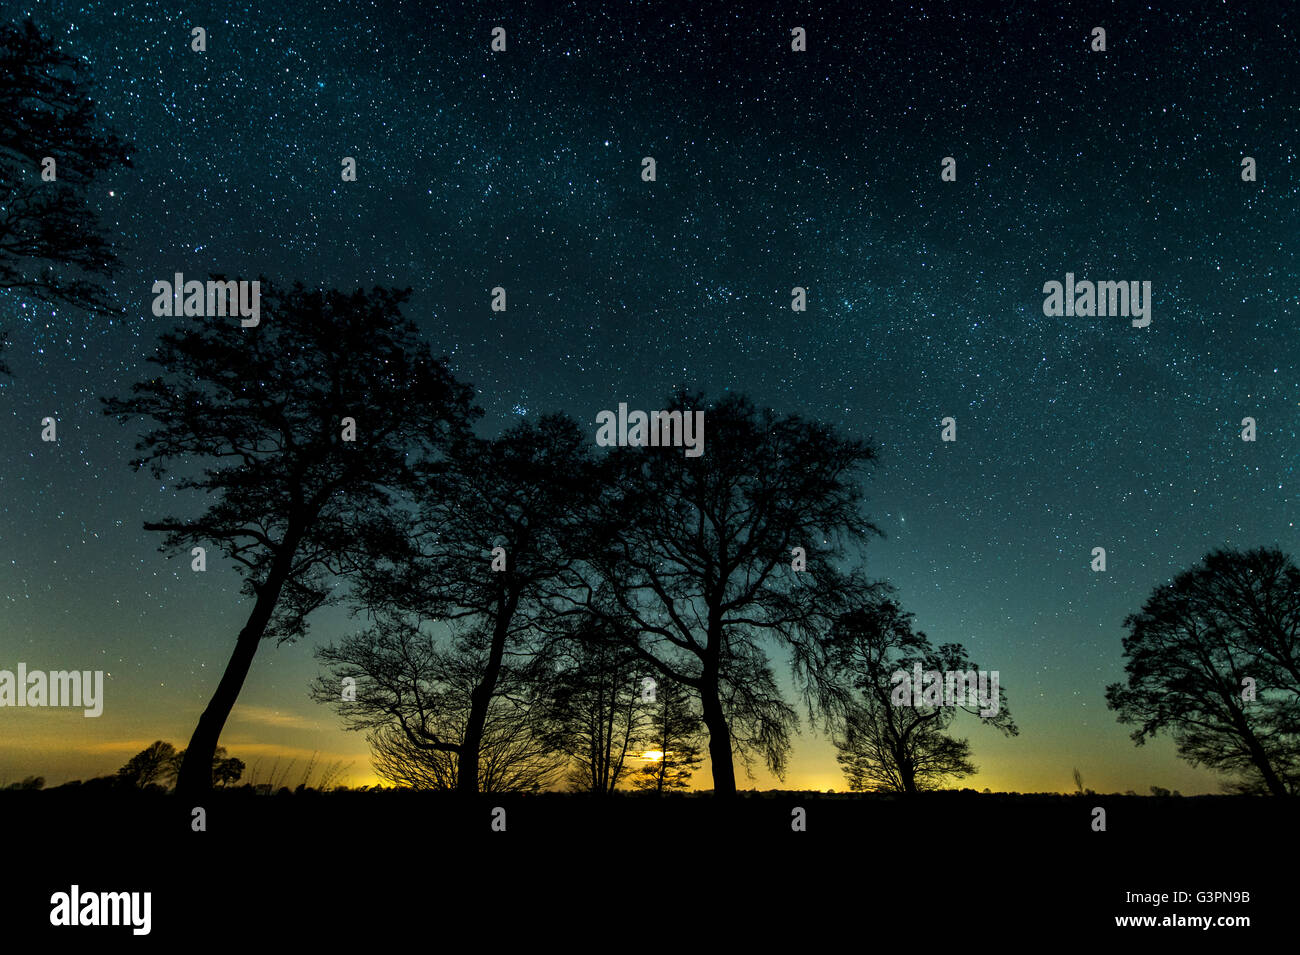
(943, 868)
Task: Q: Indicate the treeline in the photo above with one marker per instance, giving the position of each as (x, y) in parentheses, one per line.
(535, 606)
(155, 768)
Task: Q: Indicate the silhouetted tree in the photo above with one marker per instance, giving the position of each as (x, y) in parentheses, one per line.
(226, 772)
(289, 500)
(159, 764)
(1202, 646)
(700, 570)
(30, 783)
(226, 769)
(511, 758)
(414, 691)
(153, 764)
(889, 739)
(675, 732)
(495, 532)
(596, 712)
(52, 245)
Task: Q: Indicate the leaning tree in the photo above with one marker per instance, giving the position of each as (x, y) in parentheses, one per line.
(302, 433)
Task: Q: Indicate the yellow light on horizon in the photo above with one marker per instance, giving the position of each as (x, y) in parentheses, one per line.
(652, 756)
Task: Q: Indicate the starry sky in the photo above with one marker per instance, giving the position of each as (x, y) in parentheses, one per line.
(775, 169)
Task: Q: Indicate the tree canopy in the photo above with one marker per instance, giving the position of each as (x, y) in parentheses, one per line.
(52, 145)
(699, 565)
(1213, 659)
(302, 433)
(894, 735)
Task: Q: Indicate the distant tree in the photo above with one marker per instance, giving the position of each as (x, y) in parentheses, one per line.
(226, 770)
(495, 532)
(30, 783)
(1078, 782)
(52, 243)
(700, 568)
(414, 692)
(289, 500)
(675, 734)
(153, 764)
(596, 714)
(885, 743)
(1202, 646)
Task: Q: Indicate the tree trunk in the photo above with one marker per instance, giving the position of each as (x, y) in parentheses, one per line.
(724, 772)
(663, 755)
(909, 780)
(481, 697)
(467, 757)
(906, 769)
(1275, 785)
(1261, 761)
(720, 756)
(195, 776)
(1253, 747)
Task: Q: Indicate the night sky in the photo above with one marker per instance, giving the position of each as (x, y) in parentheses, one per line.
(775, 169)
